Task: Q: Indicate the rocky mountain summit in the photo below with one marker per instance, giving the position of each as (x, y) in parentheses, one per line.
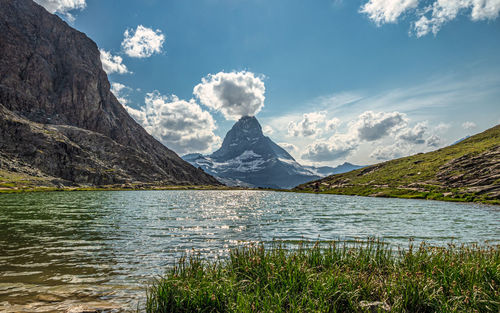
(59, 122)
(248, 158)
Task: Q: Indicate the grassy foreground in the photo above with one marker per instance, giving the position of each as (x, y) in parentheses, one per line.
(366, 277)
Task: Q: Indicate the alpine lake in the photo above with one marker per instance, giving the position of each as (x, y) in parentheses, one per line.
(101, 249)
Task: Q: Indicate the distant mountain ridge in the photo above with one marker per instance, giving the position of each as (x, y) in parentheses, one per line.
(328, 170)
(59, 121)
(250, 159)
(465, 171)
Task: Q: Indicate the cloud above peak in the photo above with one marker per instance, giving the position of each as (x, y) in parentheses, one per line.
(234, 94)
(142, 42)
(429, 16)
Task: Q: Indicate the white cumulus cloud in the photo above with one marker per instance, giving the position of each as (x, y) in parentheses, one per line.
(142, 42)
(429, 16)
(443, 11)
(63, 6)
(308, 126)
(336, 147)
(181, 125)
(332, 124)
(396, 150)
(387, 11)
(469, 125)
(414, 135)
(372, 126)
(235, 94)
(112, 63)
(434, 141)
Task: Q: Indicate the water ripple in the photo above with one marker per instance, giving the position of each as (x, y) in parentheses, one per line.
(102, 247)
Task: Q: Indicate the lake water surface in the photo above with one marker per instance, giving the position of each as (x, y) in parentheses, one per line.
(61, 249)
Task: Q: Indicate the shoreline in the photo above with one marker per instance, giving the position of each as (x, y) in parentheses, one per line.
(151, 187)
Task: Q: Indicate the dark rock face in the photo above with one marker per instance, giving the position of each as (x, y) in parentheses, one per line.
(57, 112)
(250, 159)
(246, 135)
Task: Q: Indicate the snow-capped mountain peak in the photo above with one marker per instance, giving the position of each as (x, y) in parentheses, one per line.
(248, 158)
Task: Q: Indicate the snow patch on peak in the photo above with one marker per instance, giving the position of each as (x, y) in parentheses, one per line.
(248, 154)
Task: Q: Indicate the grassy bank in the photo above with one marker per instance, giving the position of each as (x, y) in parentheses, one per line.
(19, 183)
(464, 172)
(366, 277)
(22, 189)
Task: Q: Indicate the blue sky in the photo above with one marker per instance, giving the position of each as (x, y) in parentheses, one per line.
(332, 81)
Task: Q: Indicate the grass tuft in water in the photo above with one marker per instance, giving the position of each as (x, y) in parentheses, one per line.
(340, 277)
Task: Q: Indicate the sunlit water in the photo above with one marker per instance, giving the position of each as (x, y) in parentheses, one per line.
(61, 249)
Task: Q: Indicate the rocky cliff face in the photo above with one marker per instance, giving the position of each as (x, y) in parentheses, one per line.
(57, 113)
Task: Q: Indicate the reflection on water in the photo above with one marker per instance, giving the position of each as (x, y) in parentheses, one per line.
(61, 249)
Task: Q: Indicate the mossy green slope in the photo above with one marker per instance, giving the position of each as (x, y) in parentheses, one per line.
(467, 171)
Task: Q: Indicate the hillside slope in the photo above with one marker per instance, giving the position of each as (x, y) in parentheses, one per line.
(466, 171)
(59, 121)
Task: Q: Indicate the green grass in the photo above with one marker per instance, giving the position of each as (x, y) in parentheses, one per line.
(413, 176)
(340, 277)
